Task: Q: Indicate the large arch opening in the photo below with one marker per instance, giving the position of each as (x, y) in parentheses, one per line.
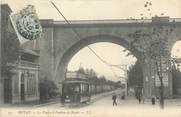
(71, 52)
(63, 63)
(176, 69)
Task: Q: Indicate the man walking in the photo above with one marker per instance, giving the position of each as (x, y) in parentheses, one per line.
(139, 98)
(114, 99)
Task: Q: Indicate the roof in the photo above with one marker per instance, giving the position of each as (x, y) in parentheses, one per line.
(75, 80)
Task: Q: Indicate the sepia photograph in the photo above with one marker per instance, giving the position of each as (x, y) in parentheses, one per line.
(90, 58)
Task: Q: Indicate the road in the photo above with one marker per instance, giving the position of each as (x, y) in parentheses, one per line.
(102, 107)
(125, 108)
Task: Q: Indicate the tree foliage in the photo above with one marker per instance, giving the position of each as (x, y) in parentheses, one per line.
(93, 77)
(153, 44)
(90, 73)
(135, 76)
(48, 89)
(81, 70)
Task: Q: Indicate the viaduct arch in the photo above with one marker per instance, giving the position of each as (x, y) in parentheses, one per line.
(59, 43)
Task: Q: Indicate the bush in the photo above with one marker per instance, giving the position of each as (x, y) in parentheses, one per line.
(48, 89)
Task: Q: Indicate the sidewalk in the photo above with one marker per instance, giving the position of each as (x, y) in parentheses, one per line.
(53, 101)
(31, 103)
(167, 102)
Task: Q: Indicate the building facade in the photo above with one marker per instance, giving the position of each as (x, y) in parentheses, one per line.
(25, 84)
(21, 84)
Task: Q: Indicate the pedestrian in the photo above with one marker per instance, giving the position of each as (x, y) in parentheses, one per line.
(114, 99)
(153, 100)
(139, 99)
(123, 96)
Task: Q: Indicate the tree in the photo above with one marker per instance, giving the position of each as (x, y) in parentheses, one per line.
(48, 89)
(135, 76)
(153, 45)
(81, 70)
(102, 78)
(91, 73)
(158, 52)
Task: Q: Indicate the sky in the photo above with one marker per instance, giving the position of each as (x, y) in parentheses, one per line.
(99, 10)
(111, 53)
(176, 50)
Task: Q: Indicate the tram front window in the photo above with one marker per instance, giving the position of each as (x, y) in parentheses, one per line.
(71, 88)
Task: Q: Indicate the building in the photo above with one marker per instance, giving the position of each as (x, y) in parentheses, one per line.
(22, 84)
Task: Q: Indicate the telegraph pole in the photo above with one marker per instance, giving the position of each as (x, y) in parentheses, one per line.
(124, 68)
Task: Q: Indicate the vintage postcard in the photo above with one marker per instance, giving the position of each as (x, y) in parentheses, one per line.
(90, 58)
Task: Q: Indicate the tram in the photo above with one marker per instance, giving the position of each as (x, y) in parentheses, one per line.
(75, 90)
(79, 89)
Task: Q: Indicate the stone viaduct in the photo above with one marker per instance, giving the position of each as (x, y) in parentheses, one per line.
(59, 43)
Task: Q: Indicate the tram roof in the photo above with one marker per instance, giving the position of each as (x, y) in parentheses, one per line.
(75, 80)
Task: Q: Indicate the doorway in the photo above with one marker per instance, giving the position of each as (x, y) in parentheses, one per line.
(7, 91)
(22, 88)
